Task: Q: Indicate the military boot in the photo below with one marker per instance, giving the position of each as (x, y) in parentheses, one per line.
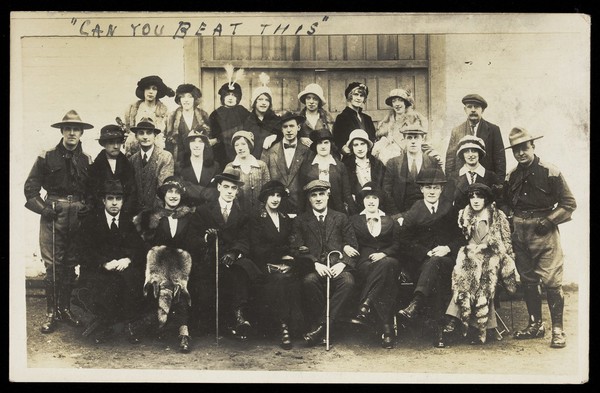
(64, 306)
(49, 324)
(533, 300)
(556, 303)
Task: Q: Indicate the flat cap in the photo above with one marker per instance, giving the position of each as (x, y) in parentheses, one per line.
(475, 99)
(317, 185)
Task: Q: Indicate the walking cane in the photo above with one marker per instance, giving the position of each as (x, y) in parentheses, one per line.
(327, 323)
(55, 300)
(217, 288)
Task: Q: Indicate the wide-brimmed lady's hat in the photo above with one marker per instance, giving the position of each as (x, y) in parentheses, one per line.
(358, 134)
(153, 80)
(111, 132)
(271, 187)
(482, 190)
(519, 135)
(312, 88)
(356, 85)
(187, 88)
(431, 176)
(400, 93)
(71, 118)
(230, 174)
(471, 142)
(287, 116)
(247, 135)
(370, 188)
(146, 123)
(170, 182)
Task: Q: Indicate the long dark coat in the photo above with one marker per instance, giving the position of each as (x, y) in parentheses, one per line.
(100, 172)
(347, 121)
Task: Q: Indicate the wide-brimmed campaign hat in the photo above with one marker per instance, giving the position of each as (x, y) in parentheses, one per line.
(370, 188)
(153, 80)
(271, 187)
(316, 185)
(312, 88)
(187, 88)
(519, 135)
(111, 132)
(145, 123)
(112, 187)
(287, 116)
(471, 142)
(358, 134)
(475, 99)
(400, 93)
(230, 174)
(170, 182)
(71, 118)
(431, 176)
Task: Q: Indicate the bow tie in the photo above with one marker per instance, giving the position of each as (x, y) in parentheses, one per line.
(289, 145)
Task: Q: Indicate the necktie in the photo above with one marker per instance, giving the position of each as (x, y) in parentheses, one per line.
(371, 224)
(432, 209)
(289, 145)
(472, 130)
(225, 214)
(472, 176)
(322, 225)
(113, 225)
(144, 159)
(413, 170)
(481, 231)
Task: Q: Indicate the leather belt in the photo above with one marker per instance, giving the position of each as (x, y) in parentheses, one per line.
(65, 198)
(531, 213)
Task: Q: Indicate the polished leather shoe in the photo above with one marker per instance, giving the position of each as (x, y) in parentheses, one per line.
(387, 337)
(242, 328)
(451, 326)
(559, 339)
(65, 315)
(286, 341)
(535, 329)
(409, 313)
(440, 340)
(184, 344)
(132, 336)
(49, 324)
(316, 336)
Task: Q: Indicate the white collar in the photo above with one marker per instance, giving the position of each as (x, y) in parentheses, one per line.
(225, 205)
(251, 160)
(109, 217)
(324, 160)
(418, 156)
(377, 214)
(317, 214)
(148, 153)
(480, 170)
(363, 163)
(429, 205)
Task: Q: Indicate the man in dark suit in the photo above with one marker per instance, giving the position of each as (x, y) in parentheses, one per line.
(112, 260)
(225, 219)
(317, 233)
(284, 160)
(429, 240)
(399, 181)
(495, 159)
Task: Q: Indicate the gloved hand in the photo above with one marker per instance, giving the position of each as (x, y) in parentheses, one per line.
(83, 212)
(543, 227)
(228, 259)
(50, 214)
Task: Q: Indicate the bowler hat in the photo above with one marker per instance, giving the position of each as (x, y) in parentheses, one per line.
(519, 135)
(354, 85)
(187, 88)
(315, 185)
(370, 188)
(312, 88)
(196, 134)
(246, 135)
(71, 118)
(168, 183)
(109, 132)
(318, 135)
(271, 187)
(358, 134)
(153, 80)
(287, 116)
(482, 189)
(145, 123)
(230, 174)
(399, 93)
(471, 142)
(475, 99)
(431, 176)
(113, 187)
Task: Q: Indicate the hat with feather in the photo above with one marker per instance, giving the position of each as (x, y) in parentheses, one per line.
(262, 89)
(232, 86)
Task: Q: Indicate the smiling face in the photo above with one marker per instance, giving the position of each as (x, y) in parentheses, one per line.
(357, 98)
(262, 103)
(273, 201)
(312, 102)
(324, 147)
(318, 199)
(399, 105)
(432, 192)
(524, 153)
(290, 130)
(113, 203)
(230, 100)
(371, 203)
(71, 136)
(197, 147)
(474, 112)
(145, 138)
(471, 157)
(360, 148)
(187, 101)
(150, 93)
(241, 147)
(227, 190)
(172, 198)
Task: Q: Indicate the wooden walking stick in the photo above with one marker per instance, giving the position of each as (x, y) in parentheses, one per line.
(55, 300)
(327, 322)
(217, 288)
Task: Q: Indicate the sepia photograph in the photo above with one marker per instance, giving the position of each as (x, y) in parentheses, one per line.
(299, 197)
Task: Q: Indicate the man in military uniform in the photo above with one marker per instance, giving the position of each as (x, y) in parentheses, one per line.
(63, 172)
(539, 199)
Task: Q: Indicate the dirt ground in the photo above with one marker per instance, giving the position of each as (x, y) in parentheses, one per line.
(355, 356)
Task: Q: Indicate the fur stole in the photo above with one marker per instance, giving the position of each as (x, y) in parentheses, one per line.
(479, 267)
(147, 220)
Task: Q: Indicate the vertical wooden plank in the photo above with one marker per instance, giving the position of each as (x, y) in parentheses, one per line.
(207, 48)
(439, 131)
(292, 48)
(256, 48)
(336, 47)
(222, 48)
(355, 49)
(371, 49)
(307, 48)
(420, 92)
(292, 85)
(406, 47)
(387, 47)
(385, 83)
(191, 63)
(406, 81)
(421, 46)
(336, 86)
(321, 48)
(240, 48)
(272, 48)
(371, 81)
(210, 86)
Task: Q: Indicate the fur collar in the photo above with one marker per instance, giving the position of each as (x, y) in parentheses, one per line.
(148, 219)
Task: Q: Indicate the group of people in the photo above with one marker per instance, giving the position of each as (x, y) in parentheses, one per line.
(289, 223)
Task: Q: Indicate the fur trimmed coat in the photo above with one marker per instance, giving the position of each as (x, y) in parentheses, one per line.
(481, 265)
